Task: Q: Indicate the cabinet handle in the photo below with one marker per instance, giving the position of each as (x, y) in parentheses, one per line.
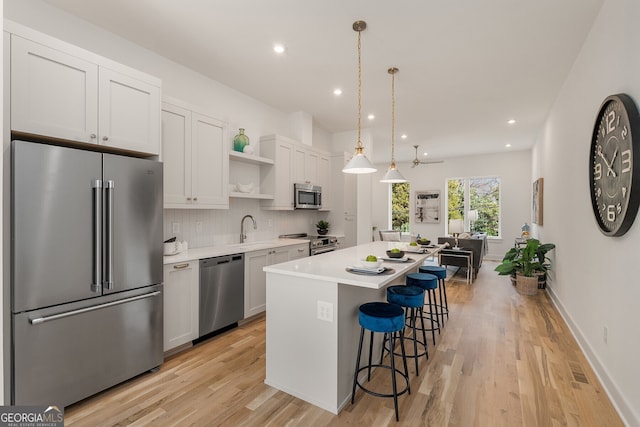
(301, 250)
(93, 136)
(188, 198)
(181, 266)
(195, 198)
(105, 138)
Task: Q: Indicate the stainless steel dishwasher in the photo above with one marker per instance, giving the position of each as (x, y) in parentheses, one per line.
(221, 292)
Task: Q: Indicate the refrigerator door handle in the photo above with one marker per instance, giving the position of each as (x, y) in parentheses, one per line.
(39, 320)
(109, 186)
(96, 285)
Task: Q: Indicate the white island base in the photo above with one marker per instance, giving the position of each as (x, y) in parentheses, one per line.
(312, 327)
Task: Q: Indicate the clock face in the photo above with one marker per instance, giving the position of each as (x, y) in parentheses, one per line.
(615, 190)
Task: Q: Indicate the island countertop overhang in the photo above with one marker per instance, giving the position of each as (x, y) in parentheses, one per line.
(331, 266)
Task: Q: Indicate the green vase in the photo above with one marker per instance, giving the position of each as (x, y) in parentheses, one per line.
(240, 141)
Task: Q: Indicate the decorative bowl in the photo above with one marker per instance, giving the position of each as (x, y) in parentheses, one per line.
(371, 264)
(423, 241)
(395, 254)
(245, 188)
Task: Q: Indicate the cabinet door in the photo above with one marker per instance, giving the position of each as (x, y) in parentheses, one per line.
(311, 168)
(298, 174)
(324, 180)
(129, 113)
(298, 251)
(181, 291)
(209, 162)
(53, 93)
(255, 282)
(278, 255)
(176, 155)
(283, 194)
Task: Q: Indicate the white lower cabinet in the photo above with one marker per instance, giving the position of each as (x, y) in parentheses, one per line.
(255, 280)
(298, 251)
(181, 299)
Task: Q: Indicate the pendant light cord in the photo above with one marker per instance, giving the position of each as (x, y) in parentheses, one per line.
(359, 145)
(393, 115)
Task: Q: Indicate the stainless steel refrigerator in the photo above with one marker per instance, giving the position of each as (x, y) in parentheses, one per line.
(86, 247)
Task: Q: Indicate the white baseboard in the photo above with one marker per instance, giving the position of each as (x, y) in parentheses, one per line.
(626, 412)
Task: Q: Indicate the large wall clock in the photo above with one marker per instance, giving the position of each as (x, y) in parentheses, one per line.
(614, 182)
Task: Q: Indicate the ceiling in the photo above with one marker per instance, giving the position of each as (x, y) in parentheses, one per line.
(465, 66)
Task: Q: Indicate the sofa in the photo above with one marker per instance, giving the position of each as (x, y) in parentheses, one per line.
(476, 243)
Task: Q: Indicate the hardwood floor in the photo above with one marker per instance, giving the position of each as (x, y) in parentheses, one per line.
(502, 360)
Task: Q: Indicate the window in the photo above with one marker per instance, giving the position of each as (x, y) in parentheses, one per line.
(477, 202)
(400, 207)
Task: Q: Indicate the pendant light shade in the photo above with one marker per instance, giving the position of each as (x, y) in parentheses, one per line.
(359, 162)
(393, 175)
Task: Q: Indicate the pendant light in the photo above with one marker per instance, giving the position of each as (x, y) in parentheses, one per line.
(393, 175)
(359, 163)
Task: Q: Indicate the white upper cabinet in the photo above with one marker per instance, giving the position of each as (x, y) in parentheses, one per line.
(209, 162)
(82, 97)
(293, 164)
(196, 159)
(53, 93)
(278, 180)
(129, 112)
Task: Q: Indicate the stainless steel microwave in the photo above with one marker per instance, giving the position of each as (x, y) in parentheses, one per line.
(307, 196)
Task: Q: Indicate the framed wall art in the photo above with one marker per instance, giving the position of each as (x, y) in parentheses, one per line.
(427, 205)
(536, 203)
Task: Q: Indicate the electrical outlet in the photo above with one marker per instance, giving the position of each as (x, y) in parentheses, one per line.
(199, 226)
(325, 311)
(605, 334)
(175, 227)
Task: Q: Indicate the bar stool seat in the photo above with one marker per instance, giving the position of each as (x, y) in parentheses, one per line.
(441, 274)
(412, 299)
(388, 319)
(429, 283)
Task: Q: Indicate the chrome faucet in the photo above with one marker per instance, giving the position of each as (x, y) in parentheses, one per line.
(242, 234)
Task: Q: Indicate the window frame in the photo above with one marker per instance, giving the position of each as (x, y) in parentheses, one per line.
(467, 202)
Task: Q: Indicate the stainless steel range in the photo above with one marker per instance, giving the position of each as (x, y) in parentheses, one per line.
(317, 244)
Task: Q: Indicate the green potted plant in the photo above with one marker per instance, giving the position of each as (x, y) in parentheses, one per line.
(528, 265)
(323, 227)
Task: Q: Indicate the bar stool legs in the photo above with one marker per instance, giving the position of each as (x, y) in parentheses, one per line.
(429, 283)
(412, 299)
(387, 319)
(441, 274)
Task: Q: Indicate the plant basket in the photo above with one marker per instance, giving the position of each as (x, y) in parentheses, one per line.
(527, 285)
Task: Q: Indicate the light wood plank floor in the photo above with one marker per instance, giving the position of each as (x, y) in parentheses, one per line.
(502, 360)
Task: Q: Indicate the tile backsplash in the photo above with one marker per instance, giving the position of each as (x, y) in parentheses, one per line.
(214, 227)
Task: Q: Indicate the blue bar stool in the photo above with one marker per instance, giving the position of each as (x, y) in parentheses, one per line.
(441, 274)
(429, 283)
(388, 319)
(412, 299)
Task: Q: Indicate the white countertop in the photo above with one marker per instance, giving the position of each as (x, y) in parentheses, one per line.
(330, 266)
(212, 251)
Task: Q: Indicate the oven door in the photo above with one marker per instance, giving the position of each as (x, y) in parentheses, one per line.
(322, 250)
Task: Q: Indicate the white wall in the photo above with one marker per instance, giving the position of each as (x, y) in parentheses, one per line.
(596, 283)
(513, 169)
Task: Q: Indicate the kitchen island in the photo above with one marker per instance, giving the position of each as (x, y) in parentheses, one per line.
(312, 319)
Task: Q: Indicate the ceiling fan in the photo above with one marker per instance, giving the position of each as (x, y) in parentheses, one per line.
(417, 162)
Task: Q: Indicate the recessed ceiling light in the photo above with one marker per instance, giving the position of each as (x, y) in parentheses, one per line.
(512, 121)
(425, 154)
(278, 48)
(337, 91)
(507, 145)
(403, 136)
(371, 117)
